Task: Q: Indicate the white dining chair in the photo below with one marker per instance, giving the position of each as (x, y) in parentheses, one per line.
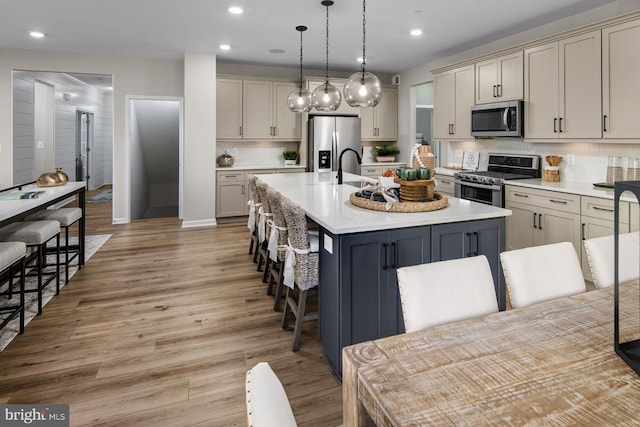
(267, 402)
(446, 291)
(542, 273)
(601, 259)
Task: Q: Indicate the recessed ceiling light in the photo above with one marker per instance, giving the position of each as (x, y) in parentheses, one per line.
(276, 51)
(225, 47)
(36, 34)
(416, 32)
(236, 10)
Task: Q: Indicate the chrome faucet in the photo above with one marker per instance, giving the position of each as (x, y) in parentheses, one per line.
(340, 162)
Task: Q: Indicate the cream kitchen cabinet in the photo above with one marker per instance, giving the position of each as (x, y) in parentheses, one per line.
(381, 122)
(373, 171)
(634, 221)
(445, 184)
(562, 88)
(597, 221)
(500, 79)
(265, 112)
(620, 82)
(454, 96)
(344, 109)
(542, 217)
(231, 193)
(228, 109)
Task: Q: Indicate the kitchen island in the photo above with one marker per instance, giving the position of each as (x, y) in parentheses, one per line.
(361, 249)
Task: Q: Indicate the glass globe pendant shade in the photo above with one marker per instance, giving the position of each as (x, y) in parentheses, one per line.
(363, 89)
(326, 97)
(299, 101)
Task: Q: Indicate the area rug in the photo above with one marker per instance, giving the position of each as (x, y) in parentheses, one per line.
(10, 331)
(103, 196)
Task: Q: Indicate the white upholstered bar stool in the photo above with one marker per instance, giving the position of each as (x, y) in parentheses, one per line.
(12, 261)
(267, 402)
(542, 273)
(252, 223)
(600, 253)
(66, 217)
(300, 270)
(446, 291)
(36, 235)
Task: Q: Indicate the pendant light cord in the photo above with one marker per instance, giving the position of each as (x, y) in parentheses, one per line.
(301, 30)
(326, 64)
(364, 36)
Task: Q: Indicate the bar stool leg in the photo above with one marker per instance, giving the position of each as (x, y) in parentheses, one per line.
(58, 263)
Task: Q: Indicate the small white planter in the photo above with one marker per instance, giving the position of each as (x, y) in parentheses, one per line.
(290, 162)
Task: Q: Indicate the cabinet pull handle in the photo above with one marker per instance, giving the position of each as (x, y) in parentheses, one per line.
(394, 257)
(534, 220)
(475, 234)
(242, 190)
(562, 202)
(604, 123)
(598, 208)
(469, 251)
(240, 130)
(495, 93)
(444, 181)
(499, 90)
(521, 195)
(540, 221)
(582, 232)
(560, 128)
(385, 266)
(555, 123)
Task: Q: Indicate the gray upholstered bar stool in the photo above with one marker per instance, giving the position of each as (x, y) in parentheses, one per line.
(36, 235)
(252, 223)
(264, 230)
(66, 217)
(12, 261)
(277, 247)
(300, 270)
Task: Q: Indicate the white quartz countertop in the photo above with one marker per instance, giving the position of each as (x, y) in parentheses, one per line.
(327, 203)
(11, 208)
(249, 166)
(580, 188)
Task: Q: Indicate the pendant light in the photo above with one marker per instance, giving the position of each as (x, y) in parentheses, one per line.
(299, 100)
(363, 89)
(326, 97)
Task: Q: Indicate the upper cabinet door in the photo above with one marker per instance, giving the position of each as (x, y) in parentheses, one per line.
(453, 97)
(580, 94)
(257, 109)
(541, 91)
(500, 79)
(228, 109)
(510, 70)
(620, 81)
(387, 114)
(464, 84)
(287, 124)
(442, 105)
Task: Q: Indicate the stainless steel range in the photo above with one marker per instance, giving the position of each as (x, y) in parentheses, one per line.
(488, 186)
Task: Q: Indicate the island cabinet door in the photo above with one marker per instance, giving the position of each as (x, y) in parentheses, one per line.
(466, 239)
(359, 299)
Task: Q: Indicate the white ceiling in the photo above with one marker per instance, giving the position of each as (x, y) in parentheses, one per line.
(168, 28)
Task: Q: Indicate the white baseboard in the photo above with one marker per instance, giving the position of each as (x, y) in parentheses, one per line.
(199, 223)
(120, 221)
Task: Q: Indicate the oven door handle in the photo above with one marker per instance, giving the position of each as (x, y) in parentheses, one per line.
(475, 185)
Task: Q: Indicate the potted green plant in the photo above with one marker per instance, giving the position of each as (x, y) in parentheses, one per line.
(385, 153)
(290, 157)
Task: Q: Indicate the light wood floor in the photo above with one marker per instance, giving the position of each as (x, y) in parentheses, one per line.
(159, 329)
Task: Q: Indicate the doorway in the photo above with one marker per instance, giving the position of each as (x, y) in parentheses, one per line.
(155, 153)
(84, 147)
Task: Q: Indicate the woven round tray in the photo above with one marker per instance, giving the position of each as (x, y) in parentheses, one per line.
(440, 202)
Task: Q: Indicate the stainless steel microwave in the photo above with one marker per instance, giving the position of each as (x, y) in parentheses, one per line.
(498, 119)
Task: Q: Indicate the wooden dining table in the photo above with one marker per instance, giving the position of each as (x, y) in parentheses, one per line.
(551, 363)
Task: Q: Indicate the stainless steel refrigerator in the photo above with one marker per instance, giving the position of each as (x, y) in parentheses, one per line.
(328, 136)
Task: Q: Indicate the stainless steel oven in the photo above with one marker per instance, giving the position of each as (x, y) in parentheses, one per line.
(488, 186)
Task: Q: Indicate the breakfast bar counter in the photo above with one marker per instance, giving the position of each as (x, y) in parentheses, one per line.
(361, 249)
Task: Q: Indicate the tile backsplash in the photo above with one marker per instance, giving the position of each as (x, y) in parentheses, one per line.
(590, 158)
(255, 152)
